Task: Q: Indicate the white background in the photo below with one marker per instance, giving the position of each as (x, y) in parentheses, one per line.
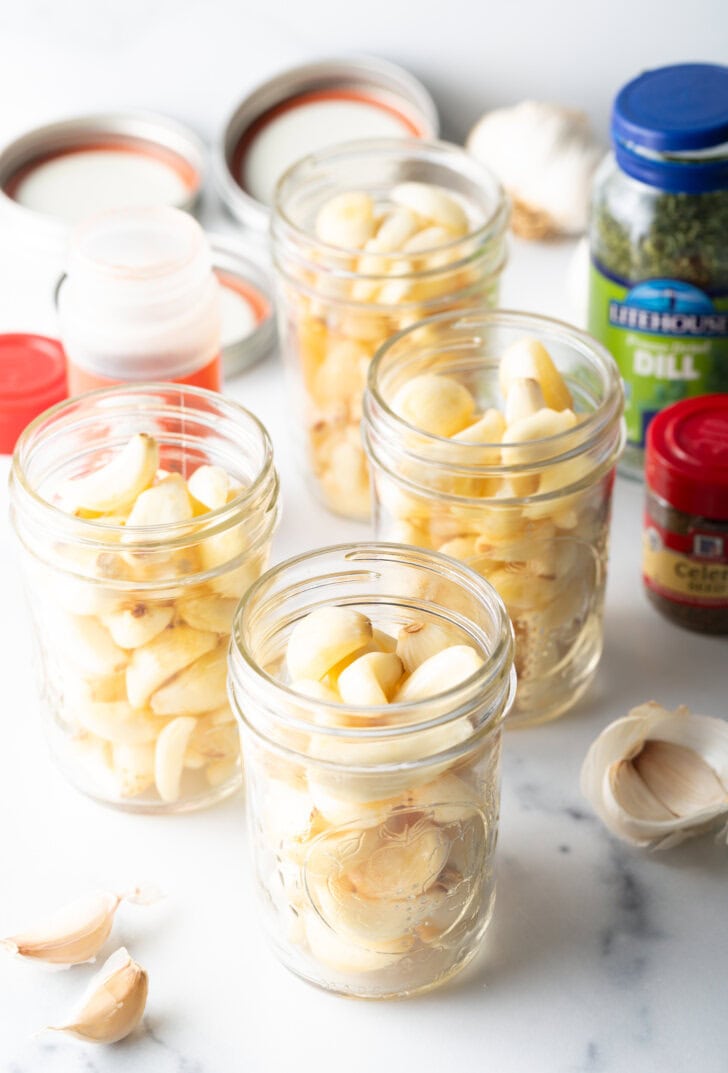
(600, 959)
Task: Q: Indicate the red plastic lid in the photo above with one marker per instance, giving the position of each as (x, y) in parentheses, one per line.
(32, 378)
(687, 456)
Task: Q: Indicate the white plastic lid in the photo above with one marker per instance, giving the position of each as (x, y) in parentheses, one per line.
(140, 300)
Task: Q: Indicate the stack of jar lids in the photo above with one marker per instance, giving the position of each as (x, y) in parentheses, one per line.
(55, 175)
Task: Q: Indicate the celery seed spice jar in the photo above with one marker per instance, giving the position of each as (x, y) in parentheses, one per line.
(685, 557)
(659, 243)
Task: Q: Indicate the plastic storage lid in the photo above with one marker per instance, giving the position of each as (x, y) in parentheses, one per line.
(687, 456)
(674, 109)
(32, 378)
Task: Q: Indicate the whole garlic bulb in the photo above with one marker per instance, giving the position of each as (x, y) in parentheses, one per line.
(657, 777)
(545, 155)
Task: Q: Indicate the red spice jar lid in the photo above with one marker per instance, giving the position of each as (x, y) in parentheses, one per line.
(32, 378)
(687, 456)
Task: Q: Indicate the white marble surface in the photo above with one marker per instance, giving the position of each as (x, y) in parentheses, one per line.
(600, 959)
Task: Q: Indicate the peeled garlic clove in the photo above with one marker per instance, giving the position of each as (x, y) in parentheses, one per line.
(394, 230)
(153, 664)
(488, 429)
(435, 404)
(169, 757)
(545, 155)
(521, 444)
(198, 688)
(133, 626)
(210, 486)
(114, 1004)
(418, 641)
(433, 203)
(323, 638)
(525, 397)
(214, 613)
(89, 645)
(117, 484)
(378, 926)
(370, 681)
(340, 954)
(430, 238)
(133, 767)
(72, 935)
(443, 671)
(448, 799)
(117, 722)
(529, 359)
(404, 864)
(657, 777)
(346, 221)
(165, 503)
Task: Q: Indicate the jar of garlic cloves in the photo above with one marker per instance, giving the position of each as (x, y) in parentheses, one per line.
(368, 238)
(144, 513)
(371, 682)
(493, 438)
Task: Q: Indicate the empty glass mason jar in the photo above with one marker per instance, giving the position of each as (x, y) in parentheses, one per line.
(493, 438)
(373, 826)
(144, 513)
(368, 238)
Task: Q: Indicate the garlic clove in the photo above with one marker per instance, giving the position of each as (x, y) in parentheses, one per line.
(402, 864)
(153, 664)
(525, 397)
(433, 203)
(213, 613)
(346, 221)
(163, 504)
(114, 1004)
(521, 445)
(169, 757)
(116, 721)
(435, 404)
(133, 768)
(133, 626)
(197, 688)
(210, 486)
(656, 777)
(527, 358)
(339, 953)
(545, 155)
(430, 238)
(89, 645)
(443, 671)
(395, 229)
(371, 680)
(117, 484)
(323, 638)
(73, 934)
(417, 641)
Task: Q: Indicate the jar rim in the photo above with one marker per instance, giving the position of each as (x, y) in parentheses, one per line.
(495, 222)
(594, 425)
(485, 679)
(93, 530)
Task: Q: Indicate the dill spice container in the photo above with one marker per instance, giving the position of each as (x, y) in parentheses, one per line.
(685, 549)
(659, 243)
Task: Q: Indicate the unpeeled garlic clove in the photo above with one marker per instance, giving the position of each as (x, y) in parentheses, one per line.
(434, 404)
(198, 688)
(418, 641)
(72, 935)
(443, 671)
(153, 664)
(117, 484)
(323, 638)
(169, 757)
(133, 626)
(657, 777)
(545, 155)
(210, 486)
(114, 1004)
(370, 681)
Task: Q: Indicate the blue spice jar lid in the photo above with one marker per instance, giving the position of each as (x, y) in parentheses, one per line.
(670, 113)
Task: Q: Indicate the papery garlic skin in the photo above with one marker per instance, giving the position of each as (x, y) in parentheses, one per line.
(114, 1003)
(657, 777)
(73, 934)
(545, 155)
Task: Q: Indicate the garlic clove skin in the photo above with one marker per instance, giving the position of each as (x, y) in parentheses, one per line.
(545, 155)
(657, 777)
(114, 1004)
(72, 935)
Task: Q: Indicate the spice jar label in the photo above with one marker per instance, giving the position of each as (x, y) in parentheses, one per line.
(669, 339)
(688, 568)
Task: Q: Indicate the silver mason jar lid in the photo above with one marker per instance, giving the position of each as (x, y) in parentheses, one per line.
(372, 80)
(243, 275)
(148, 134)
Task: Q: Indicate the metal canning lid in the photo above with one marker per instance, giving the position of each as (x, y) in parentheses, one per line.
(54, 175)
(248, 312)
(373, 98)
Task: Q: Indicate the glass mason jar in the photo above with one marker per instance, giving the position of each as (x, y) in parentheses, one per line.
(132, 622)
(373, 830)
(338, 305)
(533, 518)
